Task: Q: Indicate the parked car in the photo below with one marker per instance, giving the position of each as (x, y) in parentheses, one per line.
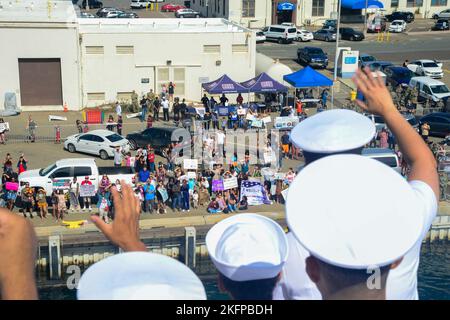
(386, 156)
(365, 58)
(128, 15)
(398, 75)
(397, 26)
(313, 56)
(304, 35)
(187, 13)
(441, 24)
(378, 65)
(280, 33)
(172, 7)
(66, 169)
(445, 14)
(325, 35)
(140, 4)
(380, 123)
(400, 15)
(439, 123)
(157, 137)
(378, 24)
(113, 14)
(97, 142)
(103, 11)
(260, 37)
(93, 4)
(330, 24)
(428, 68)
(351, 34)
(87, 15)
(430, 89)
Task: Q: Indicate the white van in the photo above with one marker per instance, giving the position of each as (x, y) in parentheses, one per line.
(386, 156)
(280, 33)
(430, 88)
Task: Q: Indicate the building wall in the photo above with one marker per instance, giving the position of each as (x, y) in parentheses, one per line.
(43, 42)
(426, 10)
(111, 73)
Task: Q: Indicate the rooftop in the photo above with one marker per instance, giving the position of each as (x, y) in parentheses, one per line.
(37, 11)
(161, 25)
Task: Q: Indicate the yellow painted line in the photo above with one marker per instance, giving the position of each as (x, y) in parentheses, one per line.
(447, 71)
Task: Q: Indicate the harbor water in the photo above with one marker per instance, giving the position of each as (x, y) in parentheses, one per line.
(434, 278)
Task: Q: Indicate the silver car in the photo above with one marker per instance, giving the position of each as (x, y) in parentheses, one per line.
(386, 156)
(325, 35)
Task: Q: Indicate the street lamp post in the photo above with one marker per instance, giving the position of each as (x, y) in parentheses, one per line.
(336, 58)
(365, 17)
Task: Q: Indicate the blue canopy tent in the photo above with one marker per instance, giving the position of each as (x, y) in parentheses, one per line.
(263, 83)
(223, 85)
(361, 4)
(307, 77)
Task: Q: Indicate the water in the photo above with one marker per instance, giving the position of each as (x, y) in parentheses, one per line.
(434, 278)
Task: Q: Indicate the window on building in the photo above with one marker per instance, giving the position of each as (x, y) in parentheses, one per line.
(96, 96)
(124, 50)
(439, 3)
(318, 8)
(163, 78)
(242, 48)
(394, 3)
(95, 50)
(248, 8)
(414, 3)
(124, 96)
(211, 49)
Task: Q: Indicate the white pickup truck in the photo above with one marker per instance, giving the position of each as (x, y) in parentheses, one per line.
(62, 171)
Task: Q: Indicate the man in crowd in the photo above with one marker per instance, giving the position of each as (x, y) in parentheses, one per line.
(165, 106)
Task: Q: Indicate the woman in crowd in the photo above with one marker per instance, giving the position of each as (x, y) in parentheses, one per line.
(22, 164)
(61, 205)
(74, 192)
(41, 199)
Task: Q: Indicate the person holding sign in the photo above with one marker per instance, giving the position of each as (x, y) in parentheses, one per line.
(86, 198)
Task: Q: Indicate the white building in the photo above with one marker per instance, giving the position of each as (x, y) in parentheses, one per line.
(51, 58)
(260, 13)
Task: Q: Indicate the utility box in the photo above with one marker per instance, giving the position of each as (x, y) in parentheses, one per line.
(189, 246)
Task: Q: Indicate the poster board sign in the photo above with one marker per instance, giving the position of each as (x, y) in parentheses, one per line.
(163, 193)
(349, 63)
(200, 111)
(250, 117)
(230, 183)
(241, 112)
(222, 111)
(267, 119)
(217, 185)
(284, 193)
(61, 184)
(190, 164)
(257, 123)
(4, 126)
(191, 175)
(286, 122)
(87, 190)
(255, 193)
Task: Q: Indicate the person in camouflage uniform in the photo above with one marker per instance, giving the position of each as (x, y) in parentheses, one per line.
(134, 102)
(151, 96)
(443, 183)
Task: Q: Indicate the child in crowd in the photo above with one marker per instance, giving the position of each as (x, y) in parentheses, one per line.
(243, 205)
(41, 198)
(61, 204)
(195, 197)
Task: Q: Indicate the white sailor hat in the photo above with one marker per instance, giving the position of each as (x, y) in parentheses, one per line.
(333, 131)
(140, 276)
(353, 212)
(247, 247)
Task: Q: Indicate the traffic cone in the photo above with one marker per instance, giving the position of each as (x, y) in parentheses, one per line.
(65, 107)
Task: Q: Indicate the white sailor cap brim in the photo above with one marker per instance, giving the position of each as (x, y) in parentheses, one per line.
(247, 247)
(333, 131)
(353, 212)
(140, 276)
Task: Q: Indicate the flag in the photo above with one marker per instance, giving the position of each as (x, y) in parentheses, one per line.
(254, 190)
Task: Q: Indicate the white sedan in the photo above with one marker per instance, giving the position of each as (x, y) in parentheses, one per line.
(397, 26)
(428, 68)
(304, 35)
(97, 142)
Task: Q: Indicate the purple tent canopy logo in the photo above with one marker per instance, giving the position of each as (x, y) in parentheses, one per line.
(266, 84)
(227, 86)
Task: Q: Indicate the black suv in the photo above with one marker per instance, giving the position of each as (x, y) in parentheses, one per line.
(157, 137)
(93, 4)
(315, 57)
(400, 15)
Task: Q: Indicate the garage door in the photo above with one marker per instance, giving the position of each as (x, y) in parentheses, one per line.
(40, 82)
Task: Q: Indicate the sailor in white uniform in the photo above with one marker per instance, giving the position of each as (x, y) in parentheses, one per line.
(249, 251)
(402, 281)
(140, 276)
(330, 132)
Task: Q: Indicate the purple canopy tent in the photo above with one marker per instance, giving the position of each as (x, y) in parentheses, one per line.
(263, 83)
(223, 85)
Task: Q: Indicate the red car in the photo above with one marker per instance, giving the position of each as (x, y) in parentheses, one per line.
(171, 7)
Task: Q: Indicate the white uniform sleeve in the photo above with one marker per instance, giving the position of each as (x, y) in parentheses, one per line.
(295, 283)
(427, 198)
